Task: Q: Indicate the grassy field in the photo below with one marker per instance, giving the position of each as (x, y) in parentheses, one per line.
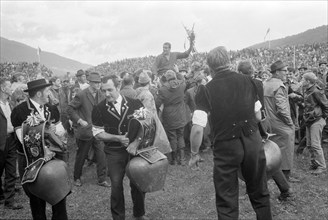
(190, 195)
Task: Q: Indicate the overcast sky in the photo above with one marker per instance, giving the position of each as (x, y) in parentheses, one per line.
(95, 32)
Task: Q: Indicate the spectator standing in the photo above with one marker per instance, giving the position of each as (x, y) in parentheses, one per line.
(279, 119)
(315, 112)
(147, 99)
(8, 147)
(19, 81)
(128, 89)
(247, 68)
(171, 95)
(79, 111)
(81, 80)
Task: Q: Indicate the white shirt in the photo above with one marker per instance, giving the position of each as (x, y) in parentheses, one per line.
(38, 107)
(117, 105)
(83, 85)
(7, 112)
(200, 117)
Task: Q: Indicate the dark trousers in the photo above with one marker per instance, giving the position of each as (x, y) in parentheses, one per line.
(247, 153)
(281, 181)
(117, 159)
(8, 164)
(176, 138)
(83, 147)
(38, 206)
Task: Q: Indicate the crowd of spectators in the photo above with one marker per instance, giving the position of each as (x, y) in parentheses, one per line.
(31, 70)
(307, 55)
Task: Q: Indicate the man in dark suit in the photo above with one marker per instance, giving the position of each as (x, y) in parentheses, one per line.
(38, 91)
(8, 147)
(79, 111)
(110, 120)
(231, 100)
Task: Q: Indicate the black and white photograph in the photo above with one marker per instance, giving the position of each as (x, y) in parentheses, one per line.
(164, 110)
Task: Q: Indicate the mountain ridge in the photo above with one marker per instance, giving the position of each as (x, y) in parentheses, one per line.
(310, 36)
(14, 51)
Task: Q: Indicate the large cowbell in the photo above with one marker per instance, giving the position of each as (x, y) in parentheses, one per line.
(46, 179)
(273, 158)
(148, 169)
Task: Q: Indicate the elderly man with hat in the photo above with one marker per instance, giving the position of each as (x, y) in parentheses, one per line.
(81, 81)
(231, 100)
(147, 99)
(79, 111)
(279, 119)
(38, 91)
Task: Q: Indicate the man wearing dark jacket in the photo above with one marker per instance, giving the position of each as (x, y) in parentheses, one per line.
(110, 119)
(315, 112)
(36, 104)
(230, 99)
(8, 147)
(79, 111)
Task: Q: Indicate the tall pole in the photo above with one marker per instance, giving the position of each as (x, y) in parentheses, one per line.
(294, 58)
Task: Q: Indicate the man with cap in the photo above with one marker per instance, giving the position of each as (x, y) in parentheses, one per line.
(38, 91)
(79, 111)
(81, 81)
(231, 100)
(279, 119)
(172, 96)
(301, 70)
(110, 119)
(246, 67)
(168, 59)
(8, 147)
(146, 97)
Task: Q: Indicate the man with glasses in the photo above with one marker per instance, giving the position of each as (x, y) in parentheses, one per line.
(279, 119)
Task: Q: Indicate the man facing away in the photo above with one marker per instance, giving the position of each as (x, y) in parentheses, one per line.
(230, 99)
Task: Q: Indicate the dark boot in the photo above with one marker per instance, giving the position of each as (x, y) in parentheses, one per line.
(181, 157)
(172, 158)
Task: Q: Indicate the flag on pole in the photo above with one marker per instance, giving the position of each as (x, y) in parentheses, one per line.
(38, 52)
(267, 33)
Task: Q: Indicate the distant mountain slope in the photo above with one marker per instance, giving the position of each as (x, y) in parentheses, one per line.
(13, 51)
(315, 35)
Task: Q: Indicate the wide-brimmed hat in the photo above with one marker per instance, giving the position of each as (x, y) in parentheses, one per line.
(37, 85)
(94, 77)
(144, 77)
(80, 73)
(278, 65)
